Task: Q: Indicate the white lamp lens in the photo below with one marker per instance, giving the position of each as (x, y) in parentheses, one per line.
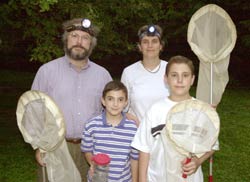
(86, 23)
(151, 29)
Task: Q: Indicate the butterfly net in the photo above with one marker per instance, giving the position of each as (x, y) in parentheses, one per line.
(212, 37)
(42, 125)
(192, 128)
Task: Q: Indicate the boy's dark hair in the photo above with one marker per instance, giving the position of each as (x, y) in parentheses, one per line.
(116, 86)
(178, 60)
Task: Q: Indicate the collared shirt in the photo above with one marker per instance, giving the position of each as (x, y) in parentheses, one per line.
(77, 93)
(101, 137)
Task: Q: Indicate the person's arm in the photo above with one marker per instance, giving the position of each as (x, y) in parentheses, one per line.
(134, 170)
(143, 166)
(38, 156)
(130, 115)
(192, 166)
(88, 156)
(40, 81)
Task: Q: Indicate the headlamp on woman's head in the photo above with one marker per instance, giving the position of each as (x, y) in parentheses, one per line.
(151, 30)
(84, 26)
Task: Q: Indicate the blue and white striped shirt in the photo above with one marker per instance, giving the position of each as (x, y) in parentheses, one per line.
(101, 137)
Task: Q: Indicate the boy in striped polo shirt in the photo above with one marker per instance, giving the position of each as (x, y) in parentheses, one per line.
(112, 133)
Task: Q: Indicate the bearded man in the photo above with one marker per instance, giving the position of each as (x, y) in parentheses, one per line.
(75, 84)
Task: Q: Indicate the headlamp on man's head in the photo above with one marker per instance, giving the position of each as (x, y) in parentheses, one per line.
(150, 31)
(84, 26)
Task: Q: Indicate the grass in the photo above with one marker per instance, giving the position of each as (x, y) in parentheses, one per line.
(17, 158)
(16, 79)
(231, 163)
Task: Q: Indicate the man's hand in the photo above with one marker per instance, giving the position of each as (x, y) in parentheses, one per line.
(39, 156)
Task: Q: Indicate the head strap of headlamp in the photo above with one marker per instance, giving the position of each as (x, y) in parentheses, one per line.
(150, 31)
(84, 26)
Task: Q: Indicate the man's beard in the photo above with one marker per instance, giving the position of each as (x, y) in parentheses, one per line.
(78, 56)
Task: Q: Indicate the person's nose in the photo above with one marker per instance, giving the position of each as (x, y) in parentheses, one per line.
(179, 79)
(150, 44)
(115, 102)
(79, 40)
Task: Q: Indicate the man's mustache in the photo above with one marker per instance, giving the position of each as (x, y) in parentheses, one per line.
(77, 47)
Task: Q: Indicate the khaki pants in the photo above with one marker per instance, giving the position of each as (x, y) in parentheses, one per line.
(78, 158)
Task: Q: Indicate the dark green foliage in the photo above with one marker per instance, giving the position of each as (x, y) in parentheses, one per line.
(31, 30)
(37, 24)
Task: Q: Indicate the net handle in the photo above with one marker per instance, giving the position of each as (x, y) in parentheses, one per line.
(210, 179)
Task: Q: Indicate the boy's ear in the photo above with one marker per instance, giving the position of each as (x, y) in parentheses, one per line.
(193, 80)
(126, 103)
(103, 101)
(165, 79)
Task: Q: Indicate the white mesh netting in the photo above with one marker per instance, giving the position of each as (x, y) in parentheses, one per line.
(212, 37)
(42, 125)
(192, 128)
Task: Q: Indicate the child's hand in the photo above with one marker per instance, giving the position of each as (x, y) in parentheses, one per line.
(91, 171)
(213, 106)
(190, 167)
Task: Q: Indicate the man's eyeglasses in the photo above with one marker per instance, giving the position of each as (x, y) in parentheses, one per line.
(76, 36)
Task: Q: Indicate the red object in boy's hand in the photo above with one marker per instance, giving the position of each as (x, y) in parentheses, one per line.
(187, 161)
